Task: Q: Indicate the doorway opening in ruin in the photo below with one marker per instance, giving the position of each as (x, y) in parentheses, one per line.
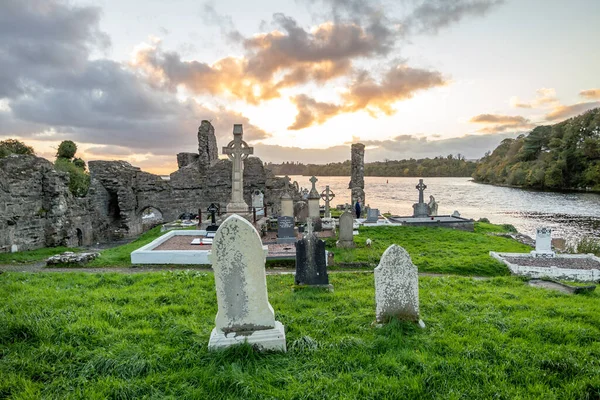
(151, 217)
(79, 237)
(114, 211)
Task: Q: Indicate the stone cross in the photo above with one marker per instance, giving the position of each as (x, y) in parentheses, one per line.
(397, 287)
(327, 195)
(421, 188)
(286, 183)
(237, 150)
(313, 180)
(309, 226)
(244, 313)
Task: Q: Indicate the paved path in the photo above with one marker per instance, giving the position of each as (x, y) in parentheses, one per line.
(40, 267)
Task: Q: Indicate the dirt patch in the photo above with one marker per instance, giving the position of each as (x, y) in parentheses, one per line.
(182, 243)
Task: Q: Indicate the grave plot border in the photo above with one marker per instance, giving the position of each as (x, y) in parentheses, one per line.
(582, 275)
(147, 255)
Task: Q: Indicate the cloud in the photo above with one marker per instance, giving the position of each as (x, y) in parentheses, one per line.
(501, 123)
(591, 94)
(91, 101)
(563, 112)
(429, 16)
(224, 22)
(364, 93)
(545, 97)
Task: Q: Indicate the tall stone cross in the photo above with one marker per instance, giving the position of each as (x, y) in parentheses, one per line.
(237, 150)
(327, 195)
(421, 188)
(313, 191)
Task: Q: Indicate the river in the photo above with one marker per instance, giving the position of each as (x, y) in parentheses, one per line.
(570, 215)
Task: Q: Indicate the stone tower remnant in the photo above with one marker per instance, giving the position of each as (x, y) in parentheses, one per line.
(207, 146)
(357, 178)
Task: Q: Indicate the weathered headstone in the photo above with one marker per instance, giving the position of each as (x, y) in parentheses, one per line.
(311, 262)
(258, 201)
(301, 211)
(346, 225)
(397, 287)
(433, 206)
(285, 230)
(237, 150)
(244, 315)
(287, 203)
(421, 210)
(372, 215)
(456, 214)
(543, 243)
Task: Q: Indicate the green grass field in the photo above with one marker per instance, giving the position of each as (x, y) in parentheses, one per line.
(140, 336)
(438, 250)
(31, 256)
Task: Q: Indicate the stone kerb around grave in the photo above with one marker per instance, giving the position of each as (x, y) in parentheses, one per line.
(397, 287)
(244, 314)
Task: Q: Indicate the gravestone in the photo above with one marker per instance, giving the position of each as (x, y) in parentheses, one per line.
(372, 215)
(237, 150)
(213, 210)
(287, 203)
(244, 315)
(346, 224)
(397, 287)
(433, 207)
(313, 199)
(285, 230)
(456, 214)
(311, 261)
(258, 202)
(301, 211)
(543, 243)
(421, 209)
(327, 195)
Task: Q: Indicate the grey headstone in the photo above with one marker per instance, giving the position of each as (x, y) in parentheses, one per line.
(372, 215)
(346, 224)
(311, 261)
(397, 286)
(543, 243)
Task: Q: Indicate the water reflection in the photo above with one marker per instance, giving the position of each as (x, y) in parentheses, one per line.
(569, 214)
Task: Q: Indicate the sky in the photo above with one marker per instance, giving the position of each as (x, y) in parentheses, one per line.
(132, 80)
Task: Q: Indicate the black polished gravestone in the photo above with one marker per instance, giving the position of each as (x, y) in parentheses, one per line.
(311, 266)
(285, 230)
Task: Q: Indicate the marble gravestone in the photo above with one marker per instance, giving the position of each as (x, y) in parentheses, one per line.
(346, 227)
(285, 230)
(421, 209)
(311, 263)
(543, 243)
(244, 315)
(258, 202)
(372, 215)
(397, 287)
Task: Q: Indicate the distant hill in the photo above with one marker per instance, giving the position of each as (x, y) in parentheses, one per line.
(427, 167)
(561, 156)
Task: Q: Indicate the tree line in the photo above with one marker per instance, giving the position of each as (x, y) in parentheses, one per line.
(455, 166)
(556, 157)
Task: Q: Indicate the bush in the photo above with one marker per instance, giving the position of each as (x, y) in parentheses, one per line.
(12, 146)
(585, 245)
(66, 149)
(79, 180)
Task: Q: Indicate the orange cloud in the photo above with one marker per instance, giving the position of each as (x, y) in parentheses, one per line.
(591, 94)
(364, 93)
(563, 112)
(501, 123)
(545, 97)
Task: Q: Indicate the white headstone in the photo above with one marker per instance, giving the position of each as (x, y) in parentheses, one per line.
(397, 287)
(258, 199)
(238, 261)
(543, 243)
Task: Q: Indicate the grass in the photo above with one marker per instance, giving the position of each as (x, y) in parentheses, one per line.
(120, 256)
(30, 256)
(436, 250)
(71, 336)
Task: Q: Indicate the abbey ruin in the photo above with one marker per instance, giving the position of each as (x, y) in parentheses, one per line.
(38, 210)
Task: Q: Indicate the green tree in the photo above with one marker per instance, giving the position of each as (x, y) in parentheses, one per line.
(66, 149)
(13, 146)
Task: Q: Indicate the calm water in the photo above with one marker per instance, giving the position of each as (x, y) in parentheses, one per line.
(569, 214)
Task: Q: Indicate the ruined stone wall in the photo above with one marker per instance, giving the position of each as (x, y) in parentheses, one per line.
(37, 208)
(208, 152)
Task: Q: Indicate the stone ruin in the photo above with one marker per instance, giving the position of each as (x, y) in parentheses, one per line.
(357, 173)
(38, 210)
